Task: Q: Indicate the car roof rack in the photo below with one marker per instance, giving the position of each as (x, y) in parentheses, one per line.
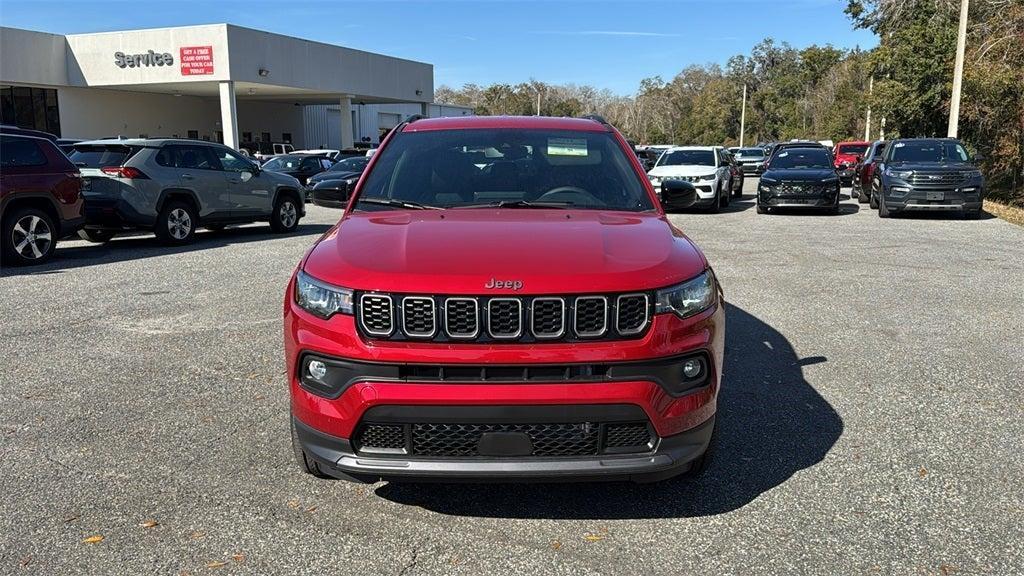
(414, 118)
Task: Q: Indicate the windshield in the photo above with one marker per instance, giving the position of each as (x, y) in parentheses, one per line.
(858, 149)
(351, 165)
(928, 151)
(517, 167)
(751, 153)
(100, 156)
(802, 158)
(283, 163)
(687, 158)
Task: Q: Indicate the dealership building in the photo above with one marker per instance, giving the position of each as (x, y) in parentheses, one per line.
(216, 82)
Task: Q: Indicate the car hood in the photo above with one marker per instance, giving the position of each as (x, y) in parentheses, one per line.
(931, 166)
(280, 177)
(663, 171)
(800, 174)
(324, 176)
(458, 251)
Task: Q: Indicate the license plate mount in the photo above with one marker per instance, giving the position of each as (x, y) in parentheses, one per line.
(940, 195)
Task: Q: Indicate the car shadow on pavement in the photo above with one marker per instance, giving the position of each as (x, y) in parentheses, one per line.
(138, 246)
(771, 424)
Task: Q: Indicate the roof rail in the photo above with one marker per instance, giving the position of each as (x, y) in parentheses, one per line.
(414, 118)
(596, 118)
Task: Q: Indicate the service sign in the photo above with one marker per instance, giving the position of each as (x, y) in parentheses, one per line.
(196, 60)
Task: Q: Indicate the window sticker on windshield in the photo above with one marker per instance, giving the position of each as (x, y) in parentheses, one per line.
(900, 144)
(567, 147)
(783, 154)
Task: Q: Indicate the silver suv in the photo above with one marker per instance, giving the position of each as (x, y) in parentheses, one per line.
(173, 186)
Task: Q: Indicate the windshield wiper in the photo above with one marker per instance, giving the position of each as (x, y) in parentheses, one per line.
(517, 204)
(398, 204)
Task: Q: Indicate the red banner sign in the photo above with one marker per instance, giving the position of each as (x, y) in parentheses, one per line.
(196, 60)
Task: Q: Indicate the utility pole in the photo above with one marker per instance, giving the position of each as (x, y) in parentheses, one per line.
(743, 115)
(958, 72)
(867, 123)
(538, 101)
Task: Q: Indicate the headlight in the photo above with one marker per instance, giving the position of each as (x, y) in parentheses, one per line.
(688, 298)
(708, 177)
(901, 174)
(321, 299)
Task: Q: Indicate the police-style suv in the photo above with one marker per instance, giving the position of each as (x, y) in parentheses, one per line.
(173, 186)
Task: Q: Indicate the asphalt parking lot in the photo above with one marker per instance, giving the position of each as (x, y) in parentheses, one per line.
(871, 419)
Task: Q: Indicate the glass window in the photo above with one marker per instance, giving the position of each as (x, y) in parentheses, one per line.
(464, 168)
(858, 149)
(355, 164)
(310, 164)
(751, 153)
(16, 152)
(232, 162)
(286, 137)
(802, 158)
(927, 151)
(283, 163)
(687, 158)
(185, 156)
(98, 156)
(32, 108)
(193, 134)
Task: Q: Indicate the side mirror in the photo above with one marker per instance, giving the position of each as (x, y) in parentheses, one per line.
(677, 195)
(246, 176)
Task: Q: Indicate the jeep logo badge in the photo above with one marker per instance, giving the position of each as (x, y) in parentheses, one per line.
(494, 284)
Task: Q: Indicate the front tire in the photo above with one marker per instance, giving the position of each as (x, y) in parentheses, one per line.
(762, 209)
(883, 210)
(176, 223)
(29, 237)
(285, 217)
(873, 199)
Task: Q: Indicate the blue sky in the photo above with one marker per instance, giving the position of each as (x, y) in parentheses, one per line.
(606, 44)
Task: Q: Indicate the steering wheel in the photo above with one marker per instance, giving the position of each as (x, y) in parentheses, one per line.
(569, 195)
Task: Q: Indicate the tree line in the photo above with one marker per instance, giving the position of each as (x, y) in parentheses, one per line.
(823, 92)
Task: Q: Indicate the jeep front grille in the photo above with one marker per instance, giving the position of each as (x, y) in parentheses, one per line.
(504, 318)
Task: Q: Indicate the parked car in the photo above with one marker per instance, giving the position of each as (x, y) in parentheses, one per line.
(263, 151)
(648, 157)
(331, 189)
(736, 174)
(40, 198)
(16, 131)
(298, 166)
(799, 178)
(750, 160)
(847, 154)
(927, 174)
(336, 155)
(173, 186)
(535, 318)
(864, 171)
(66, 145)
(703, 166)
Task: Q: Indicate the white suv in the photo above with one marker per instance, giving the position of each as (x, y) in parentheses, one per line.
(704, 166)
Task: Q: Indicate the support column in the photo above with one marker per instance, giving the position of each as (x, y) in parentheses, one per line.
(346, 122)
(425, 109)
(229, 114)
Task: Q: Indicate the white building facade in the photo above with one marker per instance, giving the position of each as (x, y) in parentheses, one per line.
(216, 82)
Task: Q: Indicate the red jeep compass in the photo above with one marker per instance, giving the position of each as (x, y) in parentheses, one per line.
(504, 298)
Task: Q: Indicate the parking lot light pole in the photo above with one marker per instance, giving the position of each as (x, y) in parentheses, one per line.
(743, 115)
(958, 71)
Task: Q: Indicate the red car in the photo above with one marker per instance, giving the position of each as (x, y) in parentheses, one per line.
(864, 171)
(40, 198)
(847, 155)
(504, 298)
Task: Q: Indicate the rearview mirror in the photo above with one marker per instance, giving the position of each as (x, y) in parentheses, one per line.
(677, 195)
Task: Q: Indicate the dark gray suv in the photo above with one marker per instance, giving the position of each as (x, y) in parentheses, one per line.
(173, 186)
(927, 174)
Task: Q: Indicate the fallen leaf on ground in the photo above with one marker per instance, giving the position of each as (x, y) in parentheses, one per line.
(238, 557)
(26, 560)
(149, 524)
(556, 545)
(197, 535)
(216, 563)
(593, 537)
(922, 472)
(71, 518)
(293, 503)
(311, 509)
(93, 539)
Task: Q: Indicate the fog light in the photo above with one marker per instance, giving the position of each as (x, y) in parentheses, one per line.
(317, 369)
(693, 368)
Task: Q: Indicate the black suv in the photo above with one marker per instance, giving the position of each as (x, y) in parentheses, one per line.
(799, 178)
(928, 174)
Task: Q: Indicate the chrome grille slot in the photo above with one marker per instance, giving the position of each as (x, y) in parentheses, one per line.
(591, 317)
(631, 314)
(505, 318)
(376, 314)
(419, 317)
(462, 317)
(548, 317)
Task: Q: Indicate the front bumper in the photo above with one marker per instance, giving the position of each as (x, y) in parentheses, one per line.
(751, 168)
(816, 200)
(668, 457)
(901, 196)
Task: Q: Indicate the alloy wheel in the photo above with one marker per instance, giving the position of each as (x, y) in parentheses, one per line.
(179, 224)
(31, 237)
(289, 215)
